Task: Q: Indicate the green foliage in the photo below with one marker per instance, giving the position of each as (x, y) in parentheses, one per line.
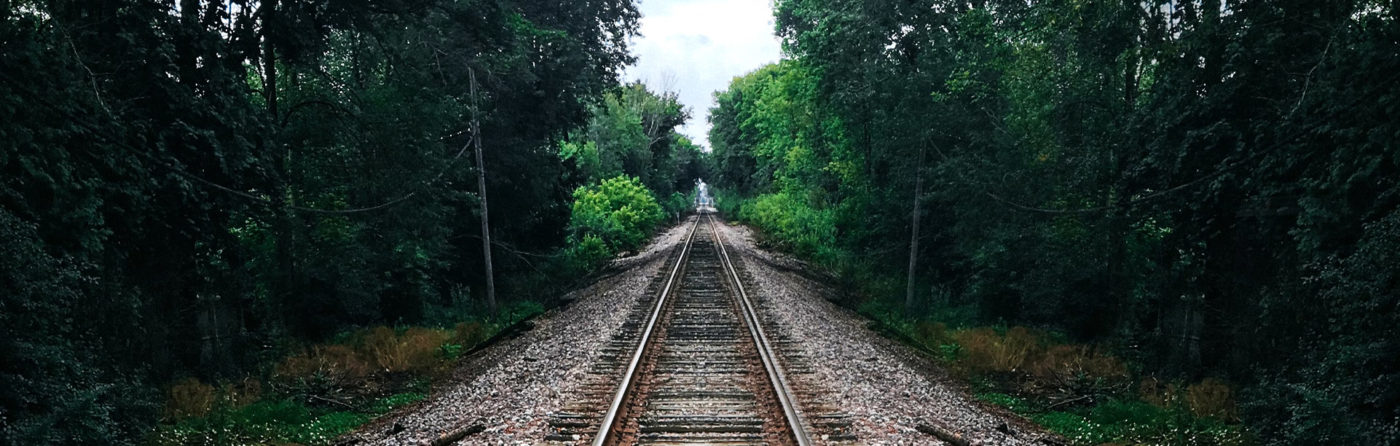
(678, 203)
(633, 133)
(55, 384)
(187, 183)
(1135, 422)
(263, 422)
(361, 370)
(807, 230)
(395, 401)
(590, 252)
(1140, 174)
(620, 212)
(1010, 402)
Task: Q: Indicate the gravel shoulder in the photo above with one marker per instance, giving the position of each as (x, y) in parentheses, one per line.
(510, 388)
(889, 389)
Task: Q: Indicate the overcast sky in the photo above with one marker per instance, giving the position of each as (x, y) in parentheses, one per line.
(695, 47)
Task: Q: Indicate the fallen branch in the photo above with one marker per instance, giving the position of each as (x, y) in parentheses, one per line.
(1067, 401)
(457, 435)
(943, 434)
(332, 401)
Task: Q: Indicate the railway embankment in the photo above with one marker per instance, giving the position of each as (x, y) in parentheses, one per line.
(851, 385)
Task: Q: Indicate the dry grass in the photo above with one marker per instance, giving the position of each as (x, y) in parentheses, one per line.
(241, 393)
(469, 334)
(189, 398)
(416, 350)
(986, 351)
(1211, 398)
(1157, 393)
(1033, 363)
(932, 334)
(334, 363)
(1064, 362)
(379, 350)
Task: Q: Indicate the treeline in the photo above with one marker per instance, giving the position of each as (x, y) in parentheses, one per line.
(190, 188)
(1209, 187)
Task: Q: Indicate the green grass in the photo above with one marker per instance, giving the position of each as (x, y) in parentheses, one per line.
(1136, 422)
(275, 422)
(1117, 418)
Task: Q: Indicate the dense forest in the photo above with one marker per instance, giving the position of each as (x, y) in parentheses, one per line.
(1207, 189)
(195, 189)
(1139, 222)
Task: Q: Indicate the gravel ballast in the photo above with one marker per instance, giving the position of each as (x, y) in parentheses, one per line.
(890, 390)
(505, 393)
(509, 389)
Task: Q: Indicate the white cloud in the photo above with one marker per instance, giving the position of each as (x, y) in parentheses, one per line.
(695, 47)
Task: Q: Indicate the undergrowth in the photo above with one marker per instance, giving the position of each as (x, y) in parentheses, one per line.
(1083, 392)
(319, 392)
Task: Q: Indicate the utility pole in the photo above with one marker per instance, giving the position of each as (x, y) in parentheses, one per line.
(909, 301)
(481, 191)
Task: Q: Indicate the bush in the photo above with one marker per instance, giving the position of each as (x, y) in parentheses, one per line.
(805, 229)
(678, 204)
(621, 212)
(586, 254)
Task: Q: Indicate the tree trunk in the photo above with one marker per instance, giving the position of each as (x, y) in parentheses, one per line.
(269, 18)
(909, 301)
(284, 294)
(481, 189)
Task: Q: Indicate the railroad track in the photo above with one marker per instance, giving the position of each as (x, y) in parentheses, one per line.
(697, 367)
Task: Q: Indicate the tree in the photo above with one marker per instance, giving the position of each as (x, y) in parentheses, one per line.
(264, 174)
(1178, 177)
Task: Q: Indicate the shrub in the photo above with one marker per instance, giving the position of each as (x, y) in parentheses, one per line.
(678, 203)
(806, 229)
(620, 211)
(587, 253)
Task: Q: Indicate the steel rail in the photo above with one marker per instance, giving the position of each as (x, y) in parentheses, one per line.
(605, 430)
(765, 351)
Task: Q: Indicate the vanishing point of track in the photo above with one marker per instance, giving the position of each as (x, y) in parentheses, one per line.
(703, 370)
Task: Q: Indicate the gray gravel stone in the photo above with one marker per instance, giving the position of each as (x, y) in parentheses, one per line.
(889, 388)
(510, 388)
